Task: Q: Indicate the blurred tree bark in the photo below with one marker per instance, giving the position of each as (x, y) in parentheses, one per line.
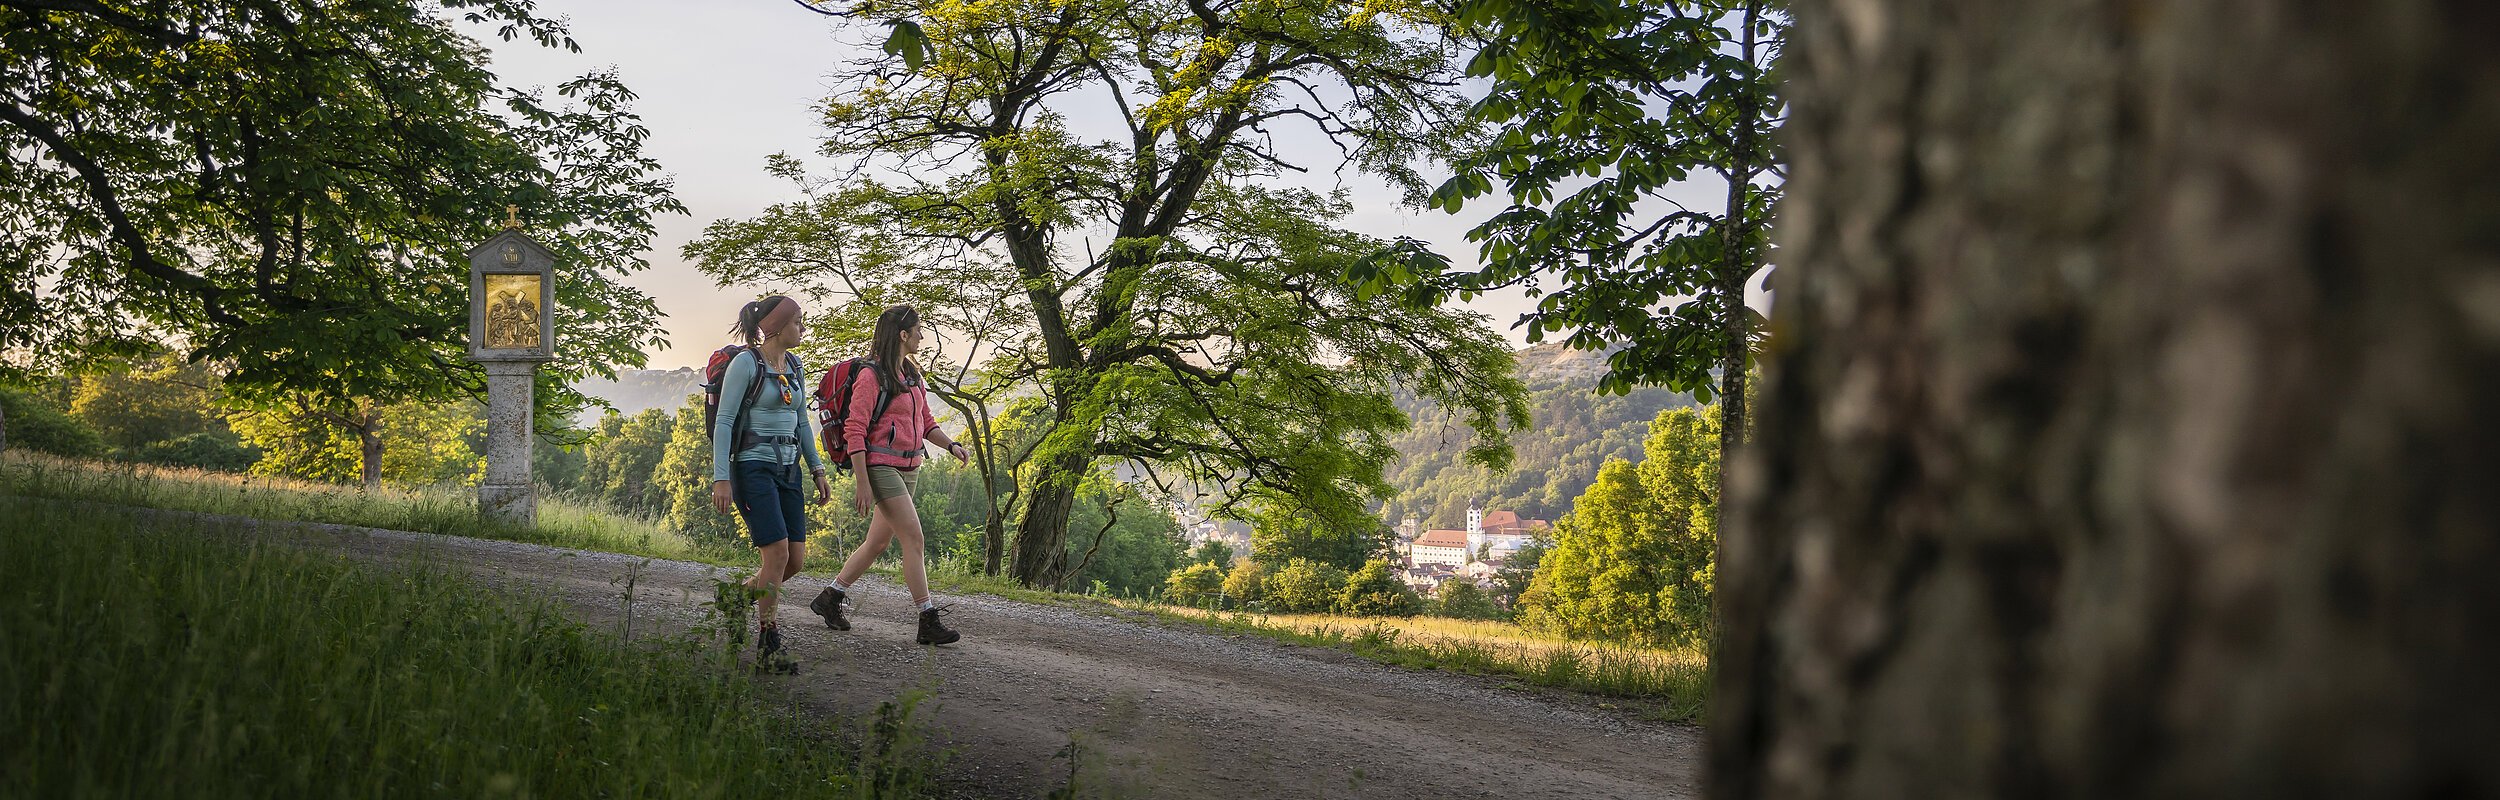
(2133, 420)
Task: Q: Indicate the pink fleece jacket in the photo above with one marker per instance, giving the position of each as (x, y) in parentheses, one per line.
(897, 439)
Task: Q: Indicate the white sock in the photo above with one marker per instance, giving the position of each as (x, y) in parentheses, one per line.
(928, 604)
(839, 586)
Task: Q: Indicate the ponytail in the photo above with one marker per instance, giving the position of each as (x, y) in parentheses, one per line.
(749, 327)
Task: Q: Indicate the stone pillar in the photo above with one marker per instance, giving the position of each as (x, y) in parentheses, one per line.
(507, 492)
(511, 331)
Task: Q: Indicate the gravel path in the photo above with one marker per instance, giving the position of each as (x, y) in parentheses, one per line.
(1157, 710)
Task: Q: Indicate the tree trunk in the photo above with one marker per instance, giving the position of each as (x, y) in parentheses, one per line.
(1736, 265)
(993, 539)
(2130, 430)
(369, 437)
(1040, 539)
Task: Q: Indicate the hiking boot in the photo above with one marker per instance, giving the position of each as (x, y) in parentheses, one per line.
(934, 632)
(828, 604)
(769, 655)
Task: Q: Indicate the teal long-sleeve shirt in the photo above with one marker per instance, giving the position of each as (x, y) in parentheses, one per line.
(769, 416)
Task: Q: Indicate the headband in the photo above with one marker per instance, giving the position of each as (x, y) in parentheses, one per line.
(780, 316)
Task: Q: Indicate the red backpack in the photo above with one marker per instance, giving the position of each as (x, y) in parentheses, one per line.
(717, 366)
(833, 406)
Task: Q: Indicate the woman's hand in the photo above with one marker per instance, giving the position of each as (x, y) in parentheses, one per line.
(720, 496)
(824, 489)
(862, 497)
(962, 456)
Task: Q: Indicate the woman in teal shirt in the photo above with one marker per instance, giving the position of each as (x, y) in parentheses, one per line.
(756, 455)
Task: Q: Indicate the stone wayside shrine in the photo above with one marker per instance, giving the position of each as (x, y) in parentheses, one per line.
(511, 330)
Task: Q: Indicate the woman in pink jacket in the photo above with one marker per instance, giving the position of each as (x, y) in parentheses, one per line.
(885, 453)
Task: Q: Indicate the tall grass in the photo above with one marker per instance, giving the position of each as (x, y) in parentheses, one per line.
(444, 510)
(1665, 684)
(154, 661)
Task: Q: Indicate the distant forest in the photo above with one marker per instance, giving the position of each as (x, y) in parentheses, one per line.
(1574, 432)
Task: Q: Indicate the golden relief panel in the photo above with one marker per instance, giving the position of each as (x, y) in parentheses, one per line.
(512, 312)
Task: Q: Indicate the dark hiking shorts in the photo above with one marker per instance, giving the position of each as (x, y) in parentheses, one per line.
(771, 501)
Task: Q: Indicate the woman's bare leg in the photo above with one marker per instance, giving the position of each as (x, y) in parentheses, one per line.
(902, 521)
(866, 554)
(796, 561)
(768, 575)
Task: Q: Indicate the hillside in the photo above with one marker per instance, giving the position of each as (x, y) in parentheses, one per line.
(1573, 433)
(635, 390)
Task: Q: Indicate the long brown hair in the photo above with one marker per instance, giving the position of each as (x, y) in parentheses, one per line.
(887, 348)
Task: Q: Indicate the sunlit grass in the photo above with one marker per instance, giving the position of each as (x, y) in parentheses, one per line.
(1665, 684)
(445, 510)
(186, 658)
(1671, 684)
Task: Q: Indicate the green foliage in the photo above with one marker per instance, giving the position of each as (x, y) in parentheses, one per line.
(1375, 591)
(288, 188)
(557, 460)
(1520, 571)
(1463, 599)
(34, 424)
(150, 401)
(421, 443)
(220, 451)
(221, 666)
(1304, 586)
(1141, 545)
(1344, 548)
(1246, 583)
(1210, 336)
(1213, 552)
(1633, 560)
(1194, 585)
(621, 460)
(684, 477)
(1605, 107)
(1576, 429)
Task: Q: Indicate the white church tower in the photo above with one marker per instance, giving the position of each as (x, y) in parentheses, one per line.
(1475, 528)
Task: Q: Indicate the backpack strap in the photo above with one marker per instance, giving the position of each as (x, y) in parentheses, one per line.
(739, 437)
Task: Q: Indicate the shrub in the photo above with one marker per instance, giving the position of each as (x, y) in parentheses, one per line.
(1463, 599)
(1375, 591)
(1304, 586)
(35, 425)
(221, 451)
(1193, 585)
(1247, 583)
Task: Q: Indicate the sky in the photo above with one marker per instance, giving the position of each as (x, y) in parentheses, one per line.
(724, 84)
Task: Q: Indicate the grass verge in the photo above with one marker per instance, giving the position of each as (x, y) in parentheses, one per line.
(181, 659)
(446, 511)
(1670, 685)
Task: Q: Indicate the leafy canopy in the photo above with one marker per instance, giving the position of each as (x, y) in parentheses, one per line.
(1175, 310)
(287, 186)
(1605, 106)
(1633, 561)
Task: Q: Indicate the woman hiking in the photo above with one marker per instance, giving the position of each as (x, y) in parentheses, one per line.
(886, 449)
(756, 449)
